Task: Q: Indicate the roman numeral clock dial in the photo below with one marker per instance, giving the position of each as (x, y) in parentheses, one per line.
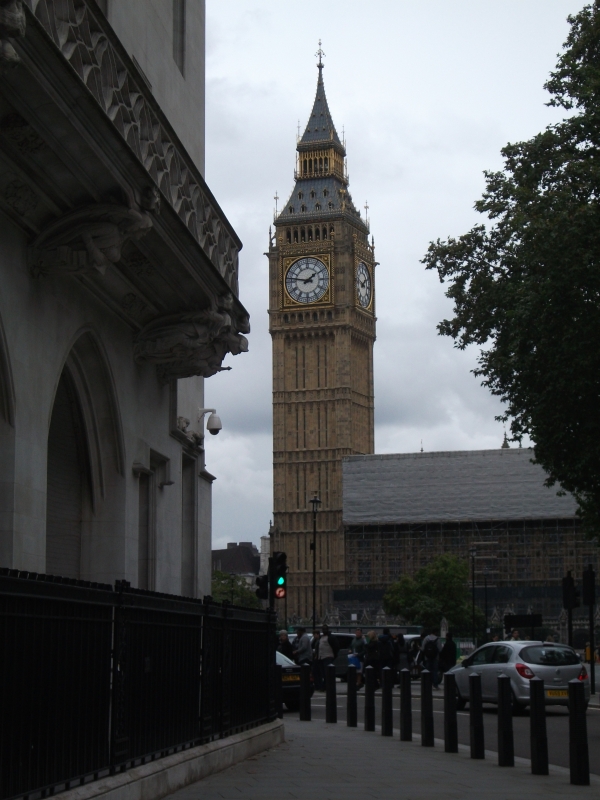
(307, 280)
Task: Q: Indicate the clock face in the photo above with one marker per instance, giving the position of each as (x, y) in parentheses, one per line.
(307, 280)
(363, 285)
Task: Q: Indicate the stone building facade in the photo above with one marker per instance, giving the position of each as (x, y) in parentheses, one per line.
(400, 511)
(322, 323)
(119, 292)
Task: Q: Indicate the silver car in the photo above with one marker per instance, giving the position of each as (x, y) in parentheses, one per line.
(556, 664)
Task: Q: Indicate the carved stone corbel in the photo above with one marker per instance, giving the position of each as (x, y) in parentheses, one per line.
(192, 343)
(12, 25)
(90, 239)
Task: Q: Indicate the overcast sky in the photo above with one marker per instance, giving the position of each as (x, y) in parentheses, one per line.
(428, 92)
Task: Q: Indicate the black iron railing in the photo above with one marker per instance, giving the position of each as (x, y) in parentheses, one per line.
(95, 680)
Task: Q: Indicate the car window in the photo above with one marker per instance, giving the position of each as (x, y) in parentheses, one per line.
(549, 656)
(482, 656)
(502, 654)
(283, 660)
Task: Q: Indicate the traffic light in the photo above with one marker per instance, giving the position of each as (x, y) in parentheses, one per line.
(571, 595)
(262, 581)
(589, 587)
(280, 570)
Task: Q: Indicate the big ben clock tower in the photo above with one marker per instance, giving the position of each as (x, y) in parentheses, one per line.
(322, 323)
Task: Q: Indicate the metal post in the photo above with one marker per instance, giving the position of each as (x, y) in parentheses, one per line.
(405, 706)
(592, 653)
(506, 746)
(476, 717)
(450, 718)
(305, 710)
(369, 699)
(351, 707)
(426, 709)
(330, 697)
(313, 546)
(278, 692)
(579, 762)
(537, 728)
(387, 714)
(570, 627)
(485, 602)
(472, 552)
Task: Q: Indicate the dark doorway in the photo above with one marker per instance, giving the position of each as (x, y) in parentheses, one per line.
(67, 497)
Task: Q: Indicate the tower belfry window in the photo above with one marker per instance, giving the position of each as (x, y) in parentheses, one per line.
(179, 34)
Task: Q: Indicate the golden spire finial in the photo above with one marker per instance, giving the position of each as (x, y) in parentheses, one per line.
(321, 55)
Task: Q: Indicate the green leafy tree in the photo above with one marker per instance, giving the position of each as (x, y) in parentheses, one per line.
(441, 589)
(526, 285)
(234, 589)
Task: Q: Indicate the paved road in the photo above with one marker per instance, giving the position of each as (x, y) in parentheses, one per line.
(557, 725)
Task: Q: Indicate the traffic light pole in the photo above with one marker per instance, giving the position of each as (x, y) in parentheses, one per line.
(315, 501)
(570, 627)
(589, 599)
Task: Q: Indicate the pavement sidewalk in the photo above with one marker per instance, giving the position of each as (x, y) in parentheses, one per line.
(333, 762)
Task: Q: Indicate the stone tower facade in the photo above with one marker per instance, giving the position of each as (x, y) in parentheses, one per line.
(322, 323)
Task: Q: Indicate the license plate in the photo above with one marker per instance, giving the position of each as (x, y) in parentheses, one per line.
(287, 678)
(557, 693)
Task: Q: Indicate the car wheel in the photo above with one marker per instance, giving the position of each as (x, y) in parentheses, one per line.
(460, 702)
(517, 708)
(292, 705)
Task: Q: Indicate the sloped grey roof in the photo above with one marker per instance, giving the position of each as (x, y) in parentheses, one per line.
(306, 185)
(452, 486)
(320, 127)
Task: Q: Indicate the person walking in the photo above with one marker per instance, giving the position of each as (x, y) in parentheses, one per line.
(356, 656)
(448, 654)
(387, 649)
(303, 653)
(431, 652)
(285, 646)
(326, 653)
(373, 654)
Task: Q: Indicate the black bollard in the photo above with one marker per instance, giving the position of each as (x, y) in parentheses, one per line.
(579, 762)
(426, 709)
(506, 745)
(450, 718)
(476, 717)
(305, 710)
(405, 706)
(387, 713)
(537, 729)
(330, 698)
(278, 690)
(369, 699)
(351, 708)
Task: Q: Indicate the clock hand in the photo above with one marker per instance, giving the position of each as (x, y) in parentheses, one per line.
(309, 279)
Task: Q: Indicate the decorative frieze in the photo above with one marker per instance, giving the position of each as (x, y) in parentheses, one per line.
(85, 42)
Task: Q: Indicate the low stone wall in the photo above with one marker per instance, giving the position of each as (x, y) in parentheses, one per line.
(166, 775)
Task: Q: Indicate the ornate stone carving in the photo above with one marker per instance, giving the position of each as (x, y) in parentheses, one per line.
(91, 238)
(134, 305)
(192, 343)
(128, 103)
(20, 197)
(20, 134)
(12, 25)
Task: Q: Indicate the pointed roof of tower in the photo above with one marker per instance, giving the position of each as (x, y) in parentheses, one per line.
(320, 127)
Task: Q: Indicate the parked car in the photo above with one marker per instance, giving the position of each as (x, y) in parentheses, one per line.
(556, 664)
(290, 682)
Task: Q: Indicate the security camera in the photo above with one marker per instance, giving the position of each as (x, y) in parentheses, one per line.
(214, 424)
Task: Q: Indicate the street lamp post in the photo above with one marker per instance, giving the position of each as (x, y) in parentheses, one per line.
(472, 553)
(315, 501)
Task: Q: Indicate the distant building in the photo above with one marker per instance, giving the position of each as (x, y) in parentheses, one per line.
(119, 292)
(237, 559)
(400, 511)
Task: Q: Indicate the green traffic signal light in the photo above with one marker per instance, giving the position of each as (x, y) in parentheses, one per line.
(280, 581)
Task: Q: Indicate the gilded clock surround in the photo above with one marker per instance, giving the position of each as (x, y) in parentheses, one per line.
(322, 363)
(286, 263)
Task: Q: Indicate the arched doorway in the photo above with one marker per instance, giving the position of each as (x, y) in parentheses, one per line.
(68, 486)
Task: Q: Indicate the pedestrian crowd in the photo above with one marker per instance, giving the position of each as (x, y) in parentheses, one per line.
(377, 650)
